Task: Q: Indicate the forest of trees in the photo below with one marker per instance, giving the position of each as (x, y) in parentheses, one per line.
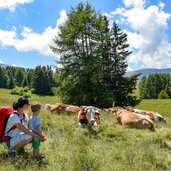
(155, 86)
(39, 80)
(93, 56)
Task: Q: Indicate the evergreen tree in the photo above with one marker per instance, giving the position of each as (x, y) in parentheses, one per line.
(142, 87)
(25, 82)
(42, 81)
(38, 80)
(120, 86)
(168, 90)
(29, 75)
(163, 95)
(19, 76)
(77, 43)
(93, 59)
(51, 81)
(3, 78)
(10, 82)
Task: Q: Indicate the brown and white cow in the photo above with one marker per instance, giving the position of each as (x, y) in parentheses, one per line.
(132, 120)
(108, 110)
(154, 116)
(82, 118)
(89, 114)
(60, 107)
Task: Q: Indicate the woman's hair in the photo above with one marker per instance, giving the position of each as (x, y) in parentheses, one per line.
(20, 103)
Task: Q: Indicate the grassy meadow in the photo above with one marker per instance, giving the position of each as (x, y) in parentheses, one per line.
(110, 147)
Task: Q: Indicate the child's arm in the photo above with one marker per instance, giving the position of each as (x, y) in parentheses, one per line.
(39, 132)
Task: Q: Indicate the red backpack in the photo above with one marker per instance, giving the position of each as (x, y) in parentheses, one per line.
(5, 112)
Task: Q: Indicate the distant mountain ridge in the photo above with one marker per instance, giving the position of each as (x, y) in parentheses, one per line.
(149, 71)
(4, 65)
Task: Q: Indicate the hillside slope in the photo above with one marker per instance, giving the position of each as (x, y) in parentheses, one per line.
(146, 72)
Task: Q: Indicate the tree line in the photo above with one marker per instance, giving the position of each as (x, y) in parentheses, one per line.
(155, 86)
(40, 80)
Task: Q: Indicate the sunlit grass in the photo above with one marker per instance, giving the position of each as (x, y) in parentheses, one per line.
(110, 147)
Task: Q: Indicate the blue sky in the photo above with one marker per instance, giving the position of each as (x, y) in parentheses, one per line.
(28, 26)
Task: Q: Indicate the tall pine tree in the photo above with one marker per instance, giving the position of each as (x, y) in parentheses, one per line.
(93, 59)
(77, 43)
(3, 78)
(40, 81)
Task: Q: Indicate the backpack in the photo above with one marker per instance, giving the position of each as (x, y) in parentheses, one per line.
(5, 112)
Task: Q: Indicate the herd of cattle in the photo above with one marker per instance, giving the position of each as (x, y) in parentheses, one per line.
(134, 118)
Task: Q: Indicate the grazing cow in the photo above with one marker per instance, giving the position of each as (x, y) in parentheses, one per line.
(89, 114)
(132, 120)
(60, 107)
(154, 116)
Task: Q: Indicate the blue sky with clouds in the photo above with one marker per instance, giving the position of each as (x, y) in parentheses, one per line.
(28, 26)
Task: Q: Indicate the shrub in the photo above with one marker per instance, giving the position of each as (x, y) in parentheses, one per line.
(20, 91)
(163, 95)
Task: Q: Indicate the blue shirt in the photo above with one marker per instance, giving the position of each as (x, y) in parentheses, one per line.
(34, 123)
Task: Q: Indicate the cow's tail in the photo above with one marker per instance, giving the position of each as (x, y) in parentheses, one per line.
(151, 124)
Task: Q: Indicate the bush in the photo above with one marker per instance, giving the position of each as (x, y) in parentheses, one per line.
(163, 95)
(20, 91)
(55, 90)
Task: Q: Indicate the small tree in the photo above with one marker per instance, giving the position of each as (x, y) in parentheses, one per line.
(3, 78)
(10, 82)
(25, 82)
(168, 90)
(42, 81)
(163, 95)
(19, 76)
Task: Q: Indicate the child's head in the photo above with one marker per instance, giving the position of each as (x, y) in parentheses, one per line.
(35, 107)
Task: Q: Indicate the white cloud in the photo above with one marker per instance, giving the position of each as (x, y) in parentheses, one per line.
(11, 4)
(30, 40)
(129, 68)
(134, 3)
(147, 34)
(1, 62)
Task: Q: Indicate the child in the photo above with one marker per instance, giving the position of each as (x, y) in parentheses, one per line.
(35, 126)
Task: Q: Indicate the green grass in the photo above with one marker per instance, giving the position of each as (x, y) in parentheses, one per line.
(110, 147)
(162, 106)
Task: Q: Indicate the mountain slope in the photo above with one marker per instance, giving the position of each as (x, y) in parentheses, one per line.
(3, 65)
(146, 72)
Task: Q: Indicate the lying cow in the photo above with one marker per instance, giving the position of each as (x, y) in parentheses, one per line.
(88, 114)
(60, 107)
(108, 110)
(154, 116)
(132, 120)
(112, 109)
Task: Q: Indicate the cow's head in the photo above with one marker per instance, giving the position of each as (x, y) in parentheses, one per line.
(82, 119)
(47, 106)
(158, 117)
(129, 108)
(97, 118)
(116, 111)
